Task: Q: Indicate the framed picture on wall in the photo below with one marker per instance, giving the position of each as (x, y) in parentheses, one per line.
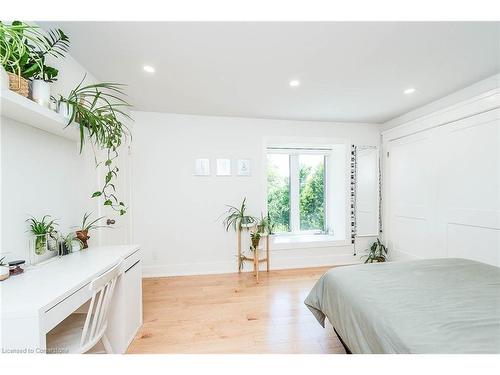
(223, 167)
(202, 167)
(244, 167)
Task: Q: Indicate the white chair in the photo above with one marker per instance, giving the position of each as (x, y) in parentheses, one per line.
(80, 333)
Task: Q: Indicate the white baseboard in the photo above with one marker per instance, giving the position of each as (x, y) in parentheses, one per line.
(278, 261)
(396, 255)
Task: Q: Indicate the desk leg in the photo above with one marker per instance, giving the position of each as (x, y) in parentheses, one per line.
(25, 335)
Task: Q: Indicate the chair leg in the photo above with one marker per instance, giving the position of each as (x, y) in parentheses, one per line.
(107, 345)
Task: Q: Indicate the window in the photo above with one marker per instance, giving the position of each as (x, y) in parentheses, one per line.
(296, 186)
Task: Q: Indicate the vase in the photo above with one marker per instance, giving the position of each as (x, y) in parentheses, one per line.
(65, 110)
(40, 244)
(4, 272)
(83, 236)
(40, 92)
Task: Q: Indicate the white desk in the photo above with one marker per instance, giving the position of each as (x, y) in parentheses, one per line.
(36, 301)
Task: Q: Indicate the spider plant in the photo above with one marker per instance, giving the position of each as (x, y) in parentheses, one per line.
(377, 253)
(66, 243)
(23, 49)
(237, 217)
(255, 238)
(40, 229)
(88, 225)
(97, 109)
(17, 40)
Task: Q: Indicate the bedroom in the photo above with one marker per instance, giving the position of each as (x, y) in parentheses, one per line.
(253, 187)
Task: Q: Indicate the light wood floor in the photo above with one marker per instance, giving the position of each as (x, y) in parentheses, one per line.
(231, 314)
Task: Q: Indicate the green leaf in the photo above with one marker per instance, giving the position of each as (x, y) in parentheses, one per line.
(96, 194)
(108, 202)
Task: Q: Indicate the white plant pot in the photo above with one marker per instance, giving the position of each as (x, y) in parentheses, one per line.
(40, 92)
(65, 110)
(4, 272)
(4, 79)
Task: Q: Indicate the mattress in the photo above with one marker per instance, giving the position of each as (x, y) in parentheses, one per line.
(421, 306)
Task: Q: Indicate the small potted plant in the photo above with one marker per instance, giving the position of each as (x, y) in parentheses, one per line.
(237, 217)
(57, 44)
(377, 253)
(68, 244)
(82, 234)
(4, 269)
(255, 238)
(43, 231)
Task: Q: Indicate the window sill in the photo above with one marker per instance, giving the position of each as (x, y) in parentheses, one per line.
(304, 241)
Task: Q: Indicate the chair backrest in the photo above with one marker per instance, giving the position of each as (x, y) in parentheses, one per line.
(97, 316)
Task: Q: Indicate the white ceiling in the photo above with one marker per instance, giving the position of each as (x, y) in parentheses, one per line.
(348, 71)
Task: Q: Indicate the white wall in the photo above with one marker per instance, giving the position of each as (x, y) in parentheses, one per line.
(174, 213)
(42, 173)
(442, 183)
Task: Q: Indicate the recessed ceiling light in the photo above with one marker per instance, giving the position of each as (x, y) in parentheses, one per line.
(410, 90)
(148, 68)
(294, 83)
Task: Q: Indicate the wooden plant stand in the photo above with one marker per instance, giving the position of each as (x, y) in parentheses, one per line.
(255, 260)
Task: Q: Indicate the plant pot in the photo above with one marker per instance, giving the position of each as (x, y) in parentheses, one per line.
(40, 92)
(4, 79)
(83, 235)
(19, 84)
(65, 110)
(4, 272)
(40, 244)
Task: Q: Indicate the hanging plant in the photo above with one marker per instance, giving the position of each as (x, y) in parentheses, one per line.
(97, 109)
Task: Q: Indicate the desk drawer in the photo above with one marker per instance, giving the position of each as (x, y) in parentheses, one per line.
(131, 260)
(65, 308)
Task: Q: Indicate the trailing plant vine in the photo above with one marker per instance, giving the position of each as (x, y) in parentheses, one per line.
(97, 109)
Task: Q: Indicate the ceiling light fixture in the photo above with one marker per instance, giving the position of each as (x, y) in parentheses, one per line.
(294, 83)
(410, 90)
(148, 68)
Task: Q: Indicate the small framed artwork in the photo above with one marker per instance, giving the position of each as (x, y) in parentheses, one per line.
(243, 167)
(223, 167)
(202, 167)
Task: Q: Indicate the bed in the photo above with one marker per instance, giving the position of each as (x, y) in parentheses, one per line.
(420, 306)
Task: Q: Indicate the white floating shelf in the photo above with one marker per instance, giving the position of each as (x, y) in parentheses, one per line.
(26, 111)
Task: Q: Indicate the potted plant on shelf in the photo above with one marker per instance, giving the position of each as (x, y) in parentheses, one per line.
(237, 217)
(15, 51)
(98, 109)
(43, 232)
(377, 253)
(23, 49)
(4, 269)
(82, 234)
(56, 45)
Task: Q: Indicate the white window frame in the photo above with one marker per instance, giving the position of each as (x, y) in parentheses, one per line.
(294, 187)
